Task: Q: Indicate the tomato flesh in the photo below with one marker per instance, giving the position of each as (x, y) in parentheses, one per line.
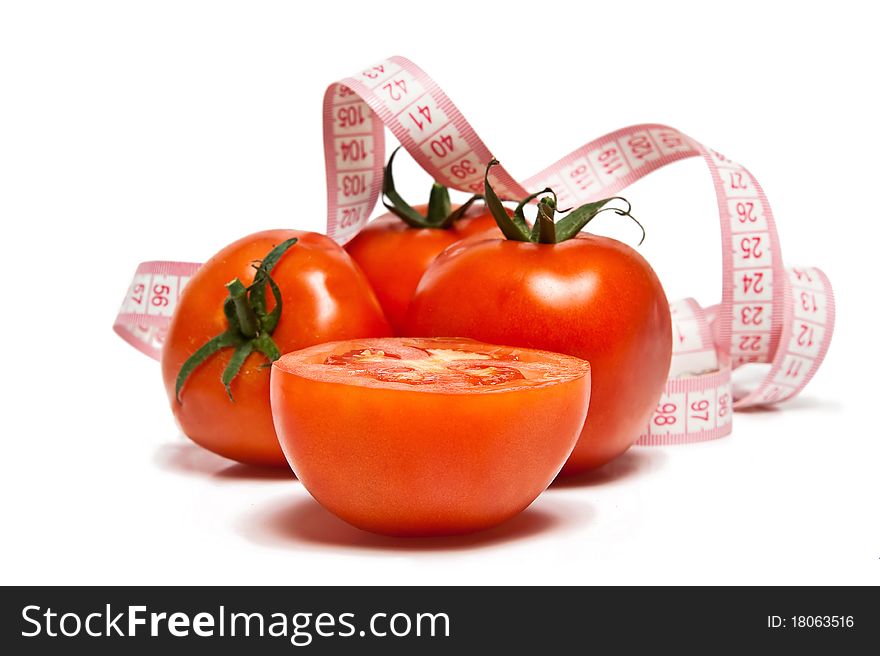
(420, 436)
(430, 366)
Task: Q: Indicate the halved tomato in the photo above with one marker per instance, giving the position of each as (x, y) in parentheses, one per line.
(415, 436)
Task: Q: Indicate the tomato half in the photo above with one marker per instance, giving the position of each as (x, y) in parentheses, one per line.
(325, 297)
(394, 255)
(427, 436)
(590, 297)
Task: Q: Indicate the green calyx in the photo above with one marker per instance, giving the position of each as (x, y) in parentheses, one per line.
(440, 213)
(250, 325)
(546, 230)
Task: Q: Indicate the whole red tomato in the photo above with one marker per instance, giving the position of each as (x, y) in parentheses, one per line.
(394, 250)
(289, 289)
(552, 288)
(415, 436)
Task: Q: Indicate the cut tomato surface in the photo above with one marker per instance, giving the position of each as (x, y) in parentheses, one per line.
(413, 436)
(432, 365)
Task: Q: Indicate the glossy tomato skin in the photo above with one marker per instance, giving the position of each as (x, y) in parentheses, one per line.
(325, 297)
(591, 297)
(394, 256)
(399, 461)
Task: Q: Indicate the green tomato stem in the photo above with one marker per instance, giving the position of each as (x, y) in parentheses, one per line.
(250, 326)
(546, 229)
(247, 318)
(440, 215)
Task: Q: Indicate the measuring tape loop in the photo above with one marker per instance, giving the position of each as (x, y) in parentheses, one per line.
(768, 314)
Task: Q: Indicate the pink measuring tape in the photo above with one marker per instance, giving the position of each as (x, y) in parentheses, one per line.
(768, 314)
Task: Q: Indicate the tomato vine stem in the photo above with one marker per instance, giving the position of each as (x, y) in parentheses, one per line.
(247, 318)
(546, 230)
(440, 214)
(249, 324)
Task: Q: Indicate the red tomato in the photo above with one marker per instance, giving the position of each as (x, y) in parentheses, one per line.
(324, 297)
(590, 297)
(394, 250)
(423, 436)
(394, 255)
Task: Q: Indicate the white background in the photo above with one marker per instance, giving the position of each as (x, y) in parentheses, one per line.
(163, 130)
